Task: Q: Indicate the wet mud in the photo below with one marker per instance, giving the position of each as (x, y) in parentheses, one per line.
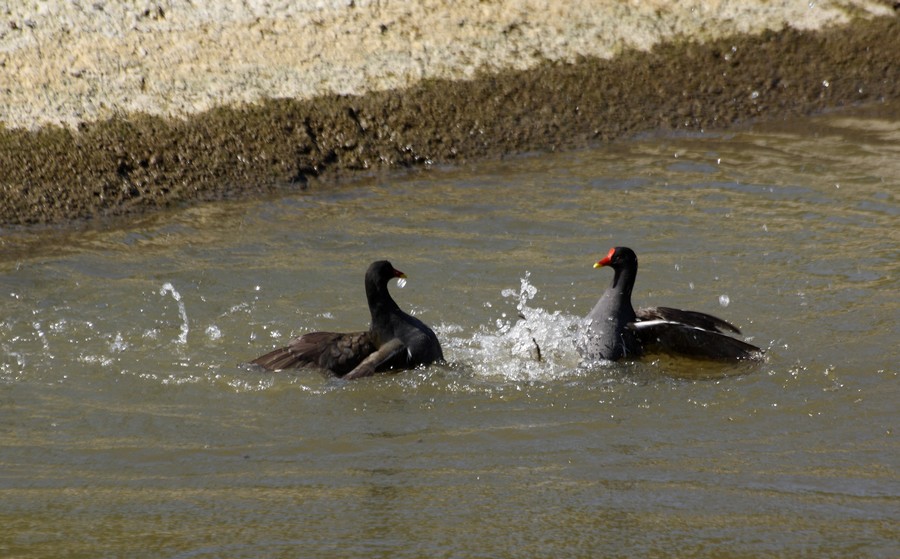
(139, 163)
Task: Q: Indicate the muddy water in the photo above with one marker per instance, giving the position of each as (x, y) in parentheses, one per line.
(128, 428)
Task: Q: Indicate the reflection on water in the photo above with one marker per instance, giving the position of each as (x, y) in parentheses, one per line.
(124, 405)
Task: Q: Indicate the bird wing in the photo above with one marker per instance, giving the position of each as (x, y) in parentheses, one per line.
(338, 352)
(377, 359)
(692, 341)
(688, 318)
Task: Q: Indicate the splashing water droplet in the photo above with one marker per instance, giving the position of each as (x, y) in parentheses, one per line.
(169, 288)
(724, 300)
(401, 283)
(118, 345)
(529, 344)
(213, 332)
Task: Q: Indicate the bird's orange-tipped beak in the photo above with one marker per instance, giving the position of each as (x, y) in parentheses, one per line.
(399, 274)
(606, 259)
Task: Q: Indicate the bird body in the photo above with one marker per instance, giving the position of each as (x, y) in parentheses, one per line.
(394, 340)
(614, 330)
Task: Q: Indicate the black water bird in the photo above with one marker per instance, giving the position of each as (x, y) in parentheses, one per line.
(394, 340)
(615, 330)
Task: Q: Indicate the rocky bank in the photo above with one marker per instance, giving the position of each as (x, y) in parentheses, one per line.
(110, 108)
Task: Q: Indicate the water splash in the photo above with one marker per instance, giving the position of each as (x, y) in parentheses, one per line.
(169, 288)
(213, 332)
(401, 282)
(118, 345)
(43, 337)
(535, 344)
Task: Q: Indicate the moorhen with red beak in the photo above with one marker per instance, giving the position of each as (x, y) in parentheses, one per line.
(615, 330)
(394, 340)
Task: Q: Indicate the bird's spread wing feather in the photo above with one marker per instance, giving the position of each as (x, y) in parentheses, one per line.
(338, 352)
(688, 318)
(692, 341)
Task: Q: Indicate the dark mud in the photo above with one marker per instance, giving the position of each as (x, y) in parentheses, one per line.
(139, 163)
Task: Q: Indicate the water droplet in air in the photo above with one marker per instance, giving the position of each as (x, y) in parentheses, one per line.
(401, 283)
(724, 300)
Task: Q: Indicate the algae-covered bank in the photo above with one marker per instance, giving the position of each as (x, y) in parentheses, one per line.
(114, 109)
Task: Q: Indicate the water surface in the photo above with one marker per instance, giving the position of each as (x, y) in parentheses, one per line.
(129, 428)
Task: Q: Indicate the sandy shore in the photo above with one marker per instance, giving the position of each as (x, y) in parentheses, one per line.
(118, 107)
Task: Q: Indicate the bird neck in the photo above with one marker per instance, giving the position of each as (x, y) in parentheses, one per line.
(381, 304)
(623, 281)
